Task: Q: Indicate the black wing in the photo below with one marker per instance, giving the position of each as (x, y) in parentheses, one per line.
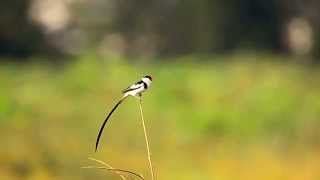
(135, 86)
(105, 122)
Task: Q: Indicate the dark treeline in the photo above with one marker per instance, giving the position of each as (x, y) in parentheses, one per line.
(164, 27)
(19, 37)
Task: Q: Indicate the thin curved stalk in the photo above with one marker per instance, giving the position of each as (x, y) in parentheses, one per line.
(116, 170)
(109, 166)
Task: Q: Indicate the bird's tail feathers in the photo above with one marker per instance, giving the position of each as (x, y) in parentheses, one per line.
(106, 120)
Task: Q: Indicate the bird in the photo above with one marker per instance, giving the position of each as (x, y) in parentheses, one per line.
(134, 90)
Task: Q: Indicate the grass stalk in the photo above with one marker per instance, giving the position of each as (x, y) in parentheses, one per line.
(108, 166)
(146, 140)
(114, 170)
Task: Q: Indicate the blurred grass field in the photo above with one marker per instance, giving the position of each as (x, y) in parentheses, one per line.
(235, 119)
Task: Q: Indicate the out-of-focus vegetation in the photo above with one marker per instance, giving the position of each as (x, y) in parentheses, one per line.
(159, 27)
(242, 117)
(213, 112)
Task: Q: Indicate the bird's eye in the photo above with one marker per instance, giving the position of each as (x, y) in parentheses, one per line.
(149, 77)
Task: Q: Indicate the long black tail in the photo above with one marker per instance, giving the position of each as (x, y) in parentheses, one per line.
(105, 121)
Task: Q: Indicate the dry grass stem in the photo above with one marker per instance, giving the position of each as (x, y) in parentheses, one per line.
(109, 166)
(115, 170)
(146, 140)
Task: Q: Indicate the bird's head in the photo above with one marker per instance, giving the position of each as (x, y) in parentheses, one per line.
(148, 76)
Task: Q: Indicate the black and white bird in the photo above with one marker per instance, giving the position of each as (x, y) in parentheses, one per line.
(135, 90)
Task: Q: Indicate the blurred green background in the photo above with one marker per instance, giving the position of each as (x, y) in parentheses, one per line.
(236, 92)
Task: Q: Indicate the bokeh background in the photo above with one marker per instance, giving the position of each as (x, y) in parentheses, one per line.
(236, 92)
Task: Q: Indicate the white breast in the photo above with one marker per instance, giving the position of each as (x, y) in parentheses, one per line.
(147, 81)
